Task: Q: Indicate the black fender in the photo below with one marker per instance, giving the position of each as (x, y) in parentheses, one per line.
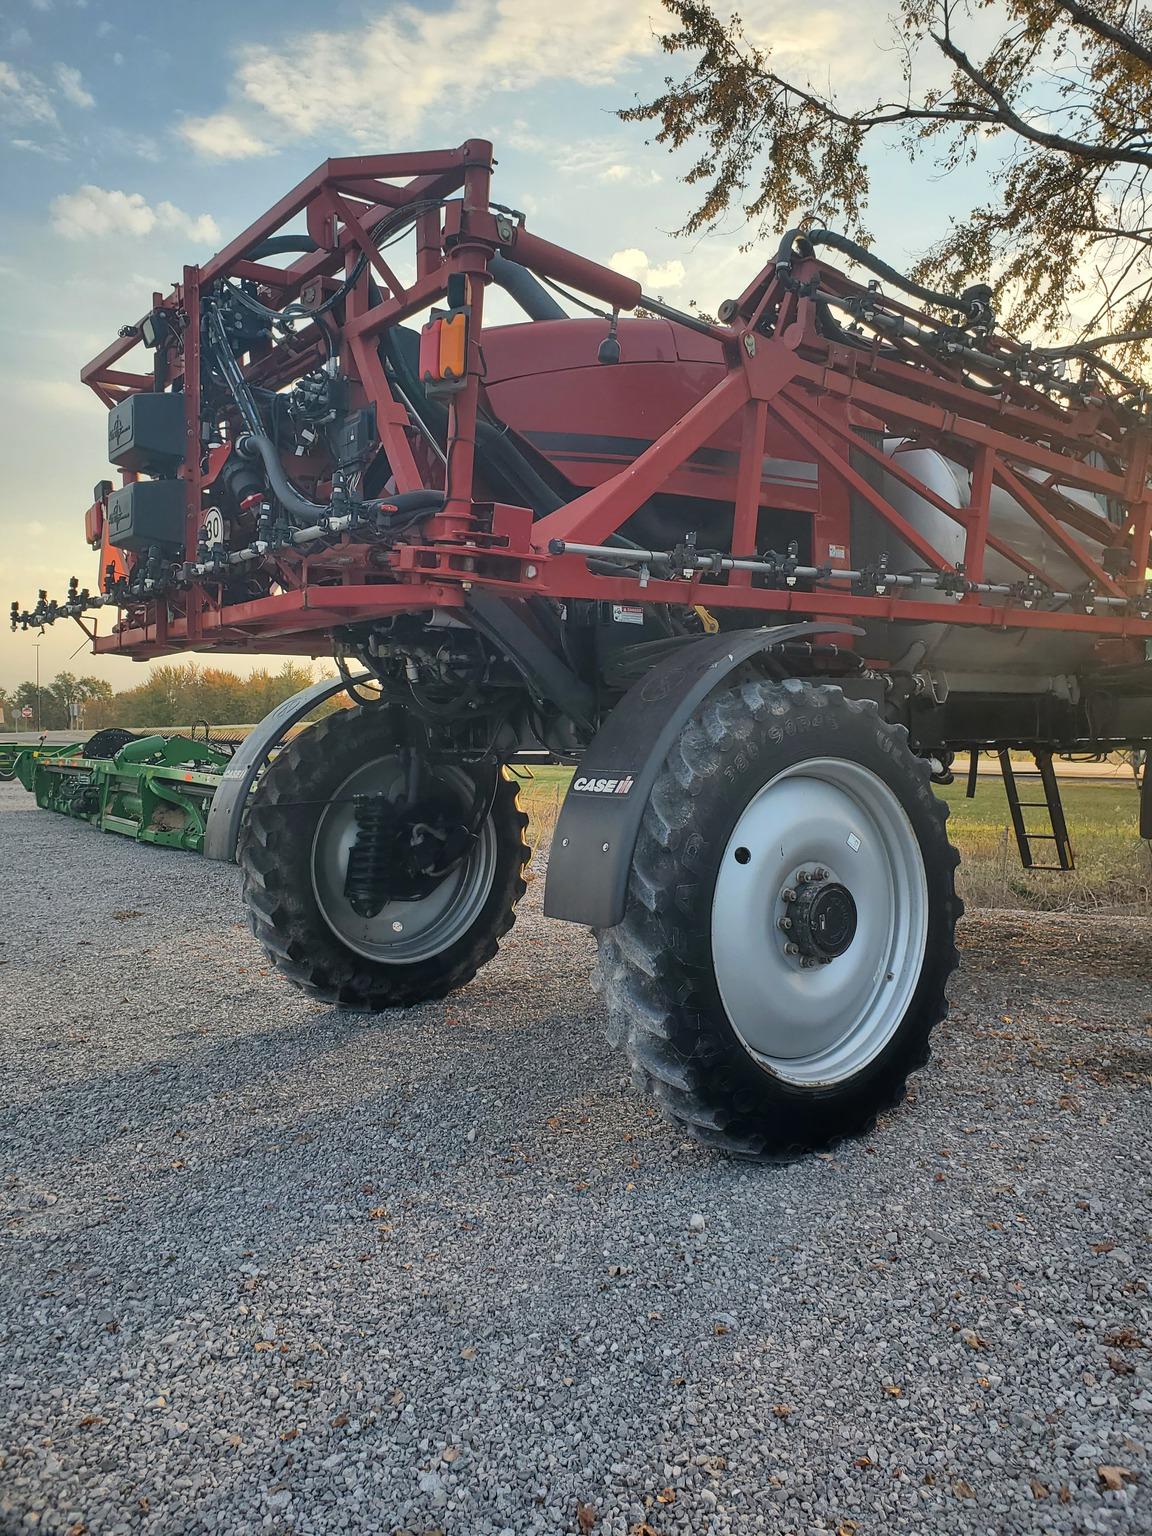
(230, 801)
(599, 822)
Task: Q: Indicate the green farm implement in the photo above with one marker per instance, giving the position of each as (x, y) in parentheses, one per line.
(157, 789)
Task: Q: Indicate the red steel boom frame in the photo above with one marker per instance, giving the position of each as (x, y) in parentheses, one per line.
(782, 372)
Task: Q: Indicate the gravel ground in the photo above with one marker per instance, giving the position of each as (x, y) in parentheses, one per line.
(271, 1267)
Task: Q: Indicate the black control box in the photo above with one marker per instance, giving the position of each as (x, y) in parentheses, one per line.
(146, 433)
(146, 513)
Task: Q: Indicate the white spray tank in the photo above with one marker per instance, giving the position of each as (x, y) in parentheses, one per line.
(965, 649)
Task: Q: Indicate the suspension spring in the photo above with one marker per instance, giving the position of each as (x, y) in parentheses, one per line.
(371, 856)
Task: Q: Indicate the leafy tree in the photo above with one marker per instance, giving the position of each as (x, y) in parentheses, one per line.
(1062, 88)
(92, 694)
(184, 694)
(48, 714)
(69, 691)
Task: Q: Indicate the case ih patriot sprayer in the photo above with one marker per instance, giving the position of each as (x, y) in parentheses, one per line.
(759, 579)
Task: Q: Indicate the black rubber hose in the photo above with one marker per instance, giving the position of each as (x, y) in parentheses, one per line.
(498, 455)
(282, 245)
(850, 248)
(532, 297)
(409, 502)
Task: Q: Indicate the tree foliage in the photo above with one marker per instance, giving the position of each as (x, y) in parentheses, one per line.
(173, 695)
(1059, 90)
(56, 698)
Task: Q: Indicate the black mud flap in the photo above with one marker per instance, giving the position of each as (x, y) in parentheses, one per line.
(1146, 795)
(600, 820)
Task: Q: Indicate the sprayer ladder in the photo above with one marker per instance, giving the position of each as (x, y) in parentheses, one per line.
(1045, 776)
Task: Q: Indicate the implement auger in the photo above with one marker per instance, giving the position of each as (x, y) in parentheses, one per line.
(759, 579)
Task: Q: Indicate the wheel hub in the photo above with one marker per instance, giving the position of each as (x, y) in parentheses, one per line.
(400, 877)
(815, 981)
(823, 919)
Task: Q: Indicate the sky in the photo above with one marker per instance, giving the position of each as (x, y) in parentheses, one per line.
(137, 136)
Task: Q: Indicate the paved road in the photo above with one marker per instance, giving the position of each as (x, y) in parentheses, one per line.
(274, 1268)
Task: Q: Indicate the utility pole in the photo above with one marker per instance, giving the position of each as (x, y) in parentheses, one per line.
(36, 648)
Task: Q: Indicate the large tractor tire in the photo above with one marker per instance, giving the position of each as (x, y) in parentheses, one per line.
(789, 926)
(374, 881)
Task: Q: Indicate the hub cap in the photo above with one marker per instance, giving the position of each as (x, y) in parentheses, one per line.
(823, 920)
(439, 912)
(819, 921)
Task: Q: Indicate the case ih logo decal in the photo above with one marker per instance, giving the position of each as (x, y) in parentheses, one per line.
(586, 786)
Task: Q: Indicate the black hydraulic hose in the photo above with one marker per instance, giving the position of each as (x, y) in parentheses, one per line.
(409, 502)
(282, 245)
(287, 494)
(403, 508)
(516, 281)
(974, 308)
(498, 454)
(531, 295)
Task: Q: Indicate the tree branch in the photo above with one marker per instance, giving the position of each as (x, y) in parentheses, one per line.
(884, 112)
(1105, 29)
(1008, 115)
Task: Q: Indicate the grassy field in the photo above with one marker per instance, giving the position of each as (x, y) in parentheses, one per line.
(1113, 865)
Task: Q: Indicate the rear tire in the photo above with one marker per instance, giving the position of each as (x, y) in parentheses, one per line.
(789, 928)
(293, 853)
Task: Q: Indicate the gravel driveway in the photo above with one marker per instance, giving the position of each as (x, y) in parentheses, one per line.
(271, 1267)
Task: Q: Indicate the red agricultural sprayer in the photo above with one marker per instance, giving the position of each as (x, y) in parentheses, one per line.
(760, 579)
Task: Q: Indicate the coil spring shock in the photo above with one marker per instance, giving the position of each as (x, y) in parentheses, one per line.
(371, 855)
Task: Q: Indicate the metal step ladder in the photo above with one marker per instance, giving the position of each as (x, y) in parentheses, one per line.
(1045, 776)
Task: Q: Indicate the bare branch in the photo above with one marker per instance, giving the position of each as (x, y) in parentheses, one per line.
(1007, 114)
(1087, 18)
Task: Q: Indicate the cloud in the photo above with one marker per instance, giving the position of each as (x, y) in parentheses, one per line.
(599, 158)
(72, 87)
(93, 212)
(51, 151)
(223, 136)
(653, 279)
(619, 174)
(23, 98)
(378, 84)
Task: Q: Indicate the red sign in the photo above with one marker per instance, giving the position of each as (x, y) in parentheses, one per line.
(26, 712)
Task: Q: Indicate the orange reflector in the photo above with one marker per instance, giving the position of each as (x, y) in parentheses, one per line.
(453, 342)
(430, 352)
(94, 524)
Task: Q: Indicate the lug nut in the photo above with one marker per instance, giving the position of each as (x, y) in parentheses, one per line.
(791, 949)
(785, 923)
(789, 894)
(803, 877)
(819, 874)
(807, 961)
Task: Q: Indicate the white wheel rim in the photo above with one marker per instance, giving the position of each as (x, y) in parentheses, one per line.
(402, 932)
(818, 1024)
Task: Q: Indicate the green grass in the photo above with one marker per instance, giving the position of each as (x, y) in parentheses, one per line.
(1113, 865)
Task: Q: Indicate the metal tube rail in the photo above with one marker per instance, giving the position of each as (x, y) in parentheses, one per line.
(696, 561)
